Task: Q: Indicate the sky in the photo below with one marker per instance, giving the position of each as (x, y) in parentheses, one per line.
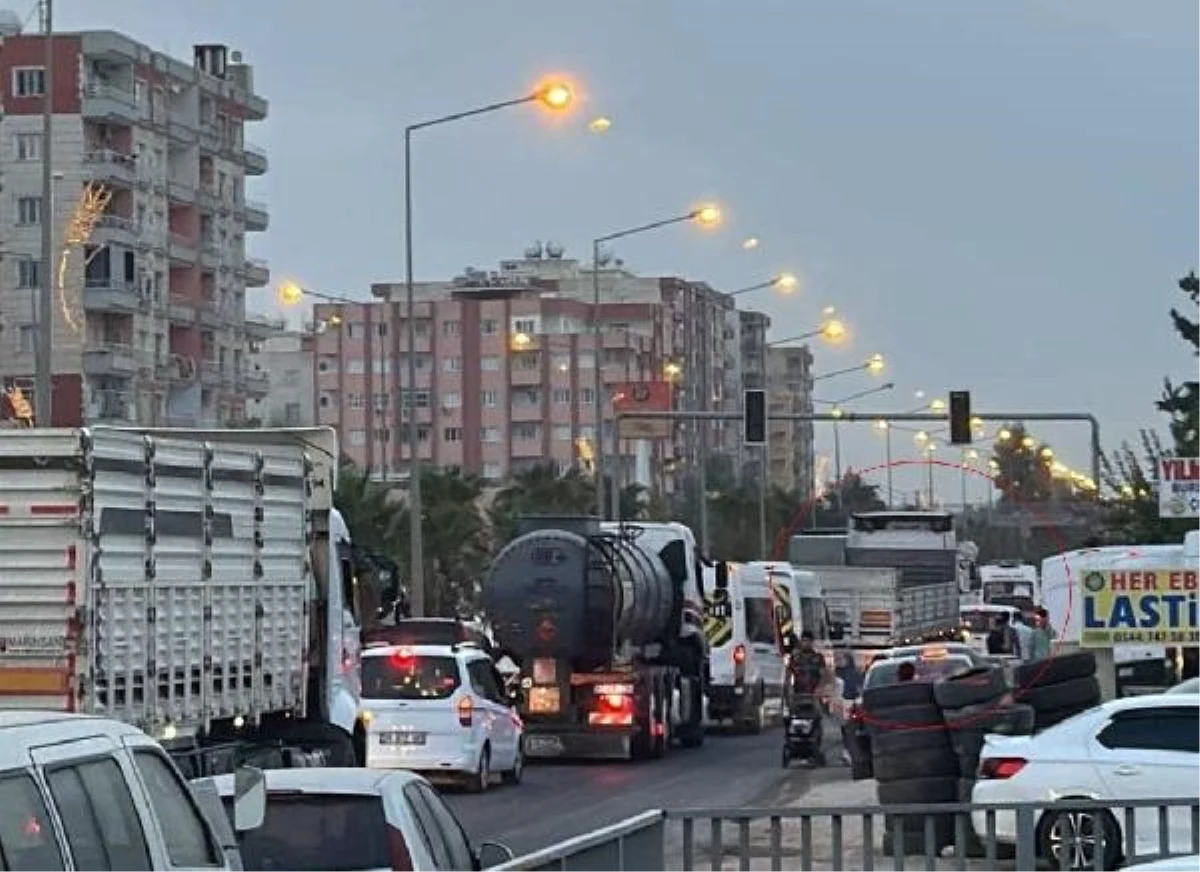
(995, 196)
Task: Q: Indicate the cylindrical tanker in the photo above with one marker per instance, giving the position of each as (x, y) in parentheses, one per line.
(578, 595)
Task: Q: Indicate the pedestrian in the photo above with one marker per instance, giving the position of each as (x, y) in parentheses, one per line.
(1024, 635)
(1002, 641)
(1043, 636)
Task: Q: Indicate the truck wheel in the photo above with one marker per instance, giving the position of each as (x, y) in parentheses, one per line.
(691, 734)
(319, 736)
(758, 717)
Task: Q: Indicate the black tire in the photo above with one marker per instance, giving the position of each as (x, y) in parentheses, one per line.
(517, 773)
(968, 764)
(918, 791)
(1089, 822)
(481, 779)
(691, 734)
(926, 763)
(1014, 719)
(320, 736)
(1054, 670)
(786, 759)
(980, 685)
(908, 741)
(905, 718)
(1077, 693)
(909, 693)
(658, 741)
(966, 743)
(966, 787)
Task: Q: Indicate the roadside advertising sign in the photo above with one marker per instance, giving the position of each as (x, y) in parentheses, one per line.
(1179, 487)
(1139, 607)
(646, 396)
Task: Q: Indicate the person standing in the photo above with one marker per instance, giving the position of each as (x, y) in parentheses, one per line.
(1024, 636)
(1003, 640)
(1043, 637)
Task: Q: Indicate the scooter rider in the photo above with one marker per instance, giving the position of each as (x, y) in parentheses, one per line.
(808, 672)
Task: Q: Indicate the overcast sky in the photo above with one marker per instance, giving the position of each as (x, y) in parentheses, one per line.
(997, 196)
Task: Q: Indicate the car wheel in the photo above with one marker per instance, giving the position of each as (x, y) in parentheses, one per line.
(514, 775)
(482, 779)
(1076, 834)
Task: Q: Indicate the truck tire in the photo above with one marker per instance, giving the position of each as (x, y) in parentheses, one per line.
(891, 695)
(659, 742)
(691, 734)
(931, 762)
(320, 736)
(907, 718)
(908, 741)
(1055, 669)
(1078, 693)
(758, 715)
(985, 684)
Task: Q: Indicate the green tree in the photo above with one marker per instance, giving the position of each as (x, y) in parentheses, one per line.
(1023, 467)
(841, 500)
(540, 491)
(373, 516)
(1182, 401)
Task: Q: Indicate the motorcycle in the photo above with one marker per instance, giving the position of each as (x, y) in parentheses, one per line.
(804, 733)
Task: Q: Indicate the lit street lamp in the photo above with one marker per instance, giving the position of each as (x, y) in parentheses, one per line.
(832, 331)
(557, 96)
(785, 282)
(873, 365)
(706, 216)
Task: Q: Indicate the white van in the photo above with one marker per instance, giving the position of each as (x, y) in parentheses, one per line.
(978, 621)
(746, 663)
(81, 792)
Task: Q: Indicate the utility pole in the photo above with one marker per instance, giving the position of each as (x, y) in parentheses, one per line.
(43, 362)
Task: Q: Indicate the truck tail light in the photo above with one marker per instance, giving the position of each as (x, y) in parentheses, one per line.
(739, 655)
(466, 709)
(1000, 768)
(398, 854)
(613, 708)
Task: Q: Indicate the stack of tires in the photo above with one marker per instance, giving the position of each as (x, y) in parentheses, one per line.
(1058, 687)
(912, 758)
(974, 704)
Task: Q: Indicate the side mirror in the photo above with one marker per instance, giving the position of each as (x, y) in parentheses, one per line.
(492, 854)
(249, 798)
(722, 574)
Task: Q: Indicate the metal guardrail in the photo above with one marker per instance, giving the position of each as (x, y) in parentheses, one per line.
(788, 837)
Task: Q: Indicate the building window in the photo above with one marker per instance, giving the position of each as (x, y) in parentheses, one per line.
(562, 432)
(489, 326)
(26, 339)
(587, 434)
(423, 433)
(587, 396)
(354, 330)
(493, 471)
(586, 360)
(525, 430)
(451, 400)
(560, 395)
(327, 364)
(28, 81)
(489, 434)
(452, 364)
(29, 210)
(291, 415)
(354, 401)
(489, 363)
(489, 398)
(418, 398)
(382, 434)
(525, 361)
(451, 328)
(421, 327)
(452, 434)
(29, 146)
(355, 367)
(28, 273)
(381, 402)
(358, 438)
(525, 325)
(561, 362)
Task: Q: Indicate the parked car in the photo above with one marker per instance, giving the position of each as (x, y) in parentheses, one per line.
(441, 710)
(82, 792)
(353, 819)
(1138, 747)
(1189, 863)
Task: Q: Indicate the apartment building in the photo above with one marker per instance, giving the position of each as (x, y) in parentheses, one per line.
(288, 359)
(505, 365)
(790, 443)
(149, 315)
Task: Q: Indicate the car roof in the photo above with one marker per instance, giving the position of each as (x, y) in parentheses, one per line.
(1150, 701)
(354, 781)
(21, 729)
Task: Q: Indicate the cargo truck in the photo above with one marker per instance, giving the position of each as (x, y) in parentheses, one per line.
(605, 624)
(195, 584)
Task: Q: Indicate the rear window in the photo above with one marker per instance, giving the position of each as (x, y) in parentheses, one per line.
(927, 670)
(978, 621)
(327, 831)
(396, 676)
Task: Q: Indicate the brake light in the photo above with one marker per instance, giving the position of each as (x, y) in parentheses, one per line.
(612, 709)
(398, 854)
(1000, 767)
(856, 713)
(466, 709)
(739, 654)
(403, 658)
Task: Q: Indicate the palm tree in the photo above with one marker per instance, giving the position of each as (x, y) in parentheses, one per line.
(540, 490)
(368, 510)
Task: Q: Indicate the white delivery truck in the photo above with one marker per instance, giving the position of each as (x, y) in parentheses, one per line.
(1010, 583)
(195, 584)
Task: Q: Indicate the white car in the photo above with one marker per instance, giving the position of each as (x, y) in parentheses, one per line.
(1140, 747)
(440, 710)
(354, 819)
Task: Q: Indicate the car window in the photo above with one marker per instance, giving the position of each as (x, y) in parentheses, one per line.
(1158, 729)
(409, 676)
(98, 816)
(760, 620)
(483, 680)
(27, 839)
(427, 823)
(307, 832)
(457, 846)
(183, 828)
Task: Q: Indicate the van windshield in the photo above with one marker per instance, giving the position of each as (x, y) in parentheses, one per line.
(313, 831)
(408, 676)
(979, 620)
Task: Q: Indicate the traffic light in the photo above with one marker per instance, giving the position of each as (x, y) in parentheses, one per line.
(754, 417)
(960, 417)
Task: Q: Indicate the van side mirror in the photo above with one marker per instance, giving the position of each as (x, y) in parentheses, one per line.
(249, 798)
(722, 575)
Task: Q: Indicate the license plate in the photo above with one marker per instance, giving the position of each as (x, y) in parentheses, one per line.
(543, 700)
(543, 745)
(402, 738)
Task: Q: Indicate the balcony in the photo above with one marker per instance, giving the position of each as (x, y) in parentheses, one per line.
(257, 273)
(110, 360)
(260, 327)
(110, 168)
(182, 310)
(111, 295)
(210, 253)
(110, 104)
(181, 192)
(210, 373)
(255, 215)
(254, 159)
(207, 198)
(183, 250)
(115, 228)
(255, 385)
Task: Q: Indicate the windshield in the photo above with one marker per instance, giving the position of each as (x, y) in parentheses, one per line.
(927, 670)
(336, 832)
(397, 676)
(1022, 604)
(979, 620)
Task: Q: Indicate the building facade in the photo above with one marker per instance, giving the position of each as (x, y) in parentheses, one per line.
(287, 359)
(150, 222)
(505, 366)
(790, 443)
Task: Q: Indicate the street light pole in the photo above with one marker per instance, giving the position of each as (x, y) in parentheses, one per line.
(556, 96)
(44, 356)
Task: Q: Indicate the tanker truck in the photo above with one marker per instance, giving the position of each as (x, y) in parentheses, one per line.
(605, 624)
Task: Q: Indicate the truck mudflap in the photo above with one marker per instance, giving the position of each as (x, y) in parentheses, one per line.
(575, 743)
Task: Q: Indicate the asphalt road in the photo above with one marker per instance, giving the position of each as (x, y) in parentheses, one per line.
(558, 800)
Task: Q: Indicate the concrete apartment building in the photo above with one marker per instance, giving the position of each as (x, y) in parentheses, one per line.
(505, 366)
(289, 361)
(149, 316)
(790, 444)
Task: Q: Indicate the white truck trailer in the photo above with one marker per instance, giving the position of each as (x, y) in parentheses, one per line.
(195, 584)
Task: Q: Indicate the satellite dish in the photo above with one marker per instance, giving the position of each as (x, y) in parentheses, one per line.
(554, 250)
(534, 252)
